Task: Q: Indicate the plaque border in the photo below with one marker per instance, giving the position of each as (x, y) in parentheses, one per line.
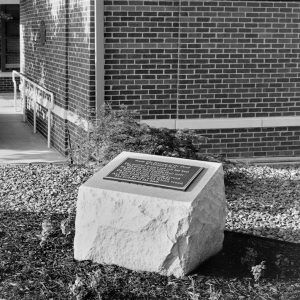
(183, 188)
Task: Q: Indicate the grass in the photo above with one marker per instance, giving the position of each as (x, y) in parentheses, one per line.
(31, 271)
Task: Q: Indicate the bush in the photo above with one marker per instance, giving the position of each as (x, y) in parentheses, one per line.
(117, 131)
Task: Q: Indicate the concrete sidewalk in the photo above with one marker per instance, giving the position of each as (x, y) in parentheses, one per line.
(18, 143)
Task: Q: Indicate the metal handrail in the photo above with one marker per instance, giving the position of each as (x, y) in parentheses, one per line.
(36, 95)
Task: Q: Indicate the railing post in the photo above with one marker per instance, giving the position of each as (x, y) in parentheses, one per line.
(32, 90)
(49, 129)
(34, 107)
(15, 89)
(50, 107)
(23, 97)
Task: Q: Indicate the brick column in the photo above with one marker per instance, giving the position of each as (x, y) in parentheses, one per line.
(99, 41)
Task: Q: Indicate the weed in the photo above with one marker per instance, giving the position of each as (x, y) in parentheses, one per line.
(78, 288)
(258, 270)
(281, 261)
(47, 230)
(192, 293)
(213, 294)
(249, 259)
(285, 266)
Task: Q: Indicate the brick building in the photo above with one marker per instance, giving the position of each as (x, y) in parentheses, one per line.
(227, 68)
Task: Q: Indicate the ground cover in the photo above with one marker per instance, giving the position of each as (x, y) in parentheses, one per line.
(260, 258)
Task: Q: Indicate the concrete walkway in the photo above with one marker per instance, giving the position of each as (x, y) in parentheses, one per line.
(18, 143)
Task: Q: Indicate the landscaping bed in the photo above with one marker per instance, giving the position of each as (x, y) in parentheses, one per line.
(260, 258)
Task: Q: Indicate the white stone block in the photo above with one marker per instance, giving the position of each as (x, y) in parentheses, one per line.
(146, 228)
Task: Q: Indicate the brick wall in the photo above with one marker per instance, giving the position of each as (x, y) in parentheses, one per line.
(173, 59)
(252, 142)
(240, 59)
(208, 59)
(237, 58)
(81, 55)
(141, 56)
(65, 64)
(6, 85)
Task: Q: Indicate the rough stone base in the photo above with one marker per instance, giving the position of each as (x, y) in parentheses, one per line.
(147, 228)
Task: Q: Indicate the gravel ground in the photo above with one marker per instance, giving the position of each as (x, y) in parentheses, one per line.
(47, 188)
(262, 201)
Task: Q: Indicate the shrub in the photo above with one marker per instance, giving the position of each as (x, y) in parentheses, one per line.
(117, 130)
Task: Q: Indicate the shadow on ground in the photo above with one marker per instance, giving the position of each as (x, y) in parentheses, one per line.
(30, 271)
(241, 251)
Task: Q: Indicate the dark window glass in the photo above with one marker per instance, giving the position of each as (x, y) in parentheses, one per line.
(10, 38)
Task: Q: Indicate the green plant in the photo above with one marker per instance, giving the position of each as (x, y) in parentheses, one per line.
(213, 294)
(114, 131)
(86, 287)
(192, 290)
(249, 259)
(78, 288)
(281, 261)
(285, 266)
(47, 230)
(258, 270)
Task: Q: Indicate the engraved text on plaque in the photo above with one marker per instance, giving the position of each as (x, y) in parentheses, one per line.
(155, 173)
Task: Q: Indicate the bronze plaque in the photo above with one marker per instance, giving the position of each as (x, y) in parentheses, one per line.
(155, 173)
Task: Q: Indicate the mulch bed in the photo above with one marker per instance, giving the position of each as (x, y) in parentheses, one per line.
(268, 197)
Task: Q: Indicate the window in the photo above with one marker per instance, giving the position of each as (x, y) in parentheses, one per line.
(10, 37)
